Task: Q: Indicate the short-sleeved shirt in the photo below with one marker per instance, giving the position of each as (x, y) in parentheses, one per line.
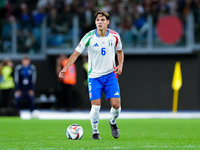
(25, 77)
(101, 52)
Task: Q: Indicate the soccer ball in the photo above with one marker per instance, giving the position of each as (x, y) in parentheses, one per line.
(74, 132)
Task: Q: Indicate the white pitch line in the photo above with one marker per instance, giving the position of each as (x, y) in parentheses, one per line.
(132, 147)
(106, 115)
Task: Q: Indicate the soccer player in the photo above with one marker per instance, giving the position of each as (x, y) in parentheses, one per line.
(25, 78)
(101, 44)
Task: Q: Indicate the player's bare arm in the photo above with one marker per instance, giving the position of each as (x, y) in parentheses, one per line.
(70, 61)
(120, 57)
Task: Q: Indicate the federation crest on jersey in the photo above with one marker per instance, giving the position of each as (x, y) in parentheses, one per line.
(110, 42)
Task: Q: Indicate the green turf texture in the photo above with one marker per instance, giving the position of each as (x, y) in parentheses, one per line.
(148, 134)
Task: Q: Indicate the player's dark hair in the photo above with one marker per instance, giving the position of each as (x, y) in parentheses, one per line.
(103, 13)
(26, 57)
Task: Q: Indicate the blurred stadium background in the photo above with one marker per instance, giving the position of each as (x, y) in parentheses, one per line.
(155, 34)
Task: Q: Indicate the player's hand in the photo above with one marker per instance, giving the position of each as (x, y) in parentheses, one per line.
(118, 70)
(61, 74)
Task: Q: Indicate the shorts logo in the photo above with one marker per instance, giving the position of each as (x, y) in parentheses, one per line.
(79, 45)
(117, 93)
(90, 94)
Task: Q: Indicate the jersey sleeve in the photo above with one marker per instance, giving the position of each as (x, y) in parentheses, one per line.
(118, 43)
(81, 46)
(85, 41)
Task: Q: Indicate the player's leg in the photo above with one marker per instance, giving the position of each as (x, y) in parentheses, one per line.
(7, 98)
(18, 96)
(30, 96)
(94, 117)
(113, 94)
(95, 91)
(115, 111)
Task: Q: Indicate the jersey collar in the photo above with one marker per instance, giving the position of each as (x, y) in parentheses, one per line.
(95, 31)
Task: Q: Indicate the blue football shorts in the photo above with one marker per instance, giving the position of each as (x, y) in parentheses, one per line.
(107, 83)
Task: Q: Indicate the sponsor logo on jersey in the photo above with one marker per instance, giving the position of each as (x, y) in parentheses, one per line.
(79, 45)
(95, 45)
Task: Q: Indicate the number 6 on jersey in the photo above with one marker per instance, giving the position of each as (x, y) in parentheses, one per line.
(103, 52)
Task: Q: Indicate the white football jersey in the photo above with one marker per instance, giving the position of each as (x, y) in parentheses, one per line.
(101, 52)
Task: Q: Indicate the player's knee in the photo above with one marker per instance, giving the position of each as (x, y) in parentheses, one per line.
(96, 102)
(31, 93)
(17, 95)
(115, 102)
(116, 105)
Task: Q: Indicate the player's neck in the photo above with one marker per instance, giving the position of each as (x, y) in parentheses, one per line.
(102, 33)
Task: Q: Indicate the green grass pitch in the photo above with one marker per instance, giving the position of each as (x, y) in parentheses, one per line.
(148, 134)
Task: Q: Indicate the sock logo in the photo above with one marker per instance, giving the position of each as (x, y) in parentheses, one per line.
(95, 122)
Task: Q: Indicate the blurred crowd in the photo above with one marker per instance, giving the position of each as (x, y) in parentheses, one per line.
(130, 15)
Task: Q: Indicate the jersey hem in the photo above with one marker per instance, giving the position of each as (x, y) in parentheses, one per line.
(97, 76)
